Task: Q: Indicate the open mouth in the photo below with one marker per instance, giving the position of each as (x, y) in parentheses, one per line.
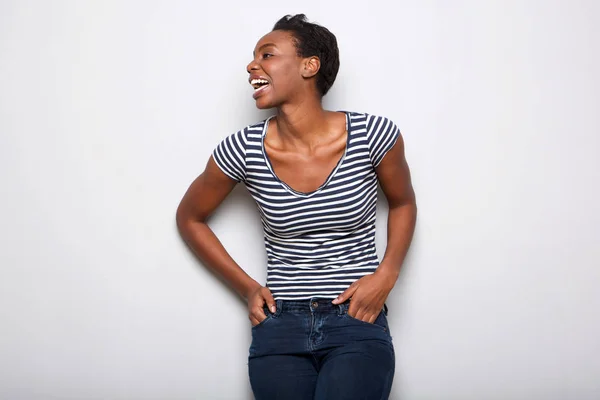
(258, 84)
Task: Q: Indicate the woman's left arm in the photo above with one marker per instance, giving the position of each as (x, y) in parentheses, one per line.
(370, 292)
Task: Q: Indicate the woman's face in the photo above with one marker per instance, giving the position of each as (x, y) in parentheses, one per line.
(276, 72)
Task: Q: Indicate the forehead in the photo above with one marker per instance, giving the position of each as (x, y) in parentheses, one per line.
(281, 39)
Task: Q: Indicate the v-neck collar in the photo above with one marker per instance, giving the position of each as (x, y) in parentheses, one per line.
(329, 177)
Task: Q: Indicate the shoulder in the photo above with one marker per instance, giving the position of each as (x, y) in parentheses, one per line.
(256, 127)
(244, 136)
(373, 125)
(372, 122)
(381, 134)
(379, 124)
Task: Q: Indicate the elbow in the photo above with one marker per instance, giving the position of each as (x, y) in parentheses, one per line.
(186, 218)
(407, 208)
(411, 202)
(411, 207)
(404, 203)
(182, 219)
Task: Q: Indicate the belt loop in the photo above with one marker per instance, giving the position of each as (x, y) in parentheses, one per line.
(343, 308)
(278, 307)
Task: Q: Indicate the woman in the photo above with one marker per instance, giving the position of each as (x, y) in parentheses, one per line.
(319, 328)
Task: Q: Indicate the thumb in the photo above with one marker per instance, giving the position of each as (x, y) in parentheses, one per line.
(268, 296)
(346, 294)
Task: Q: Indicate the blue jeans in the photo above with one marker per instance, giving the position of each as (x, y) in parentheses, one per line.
(312, 349)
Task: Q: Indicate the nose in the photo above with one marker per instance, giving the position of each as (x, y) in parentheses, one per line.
(252, 66)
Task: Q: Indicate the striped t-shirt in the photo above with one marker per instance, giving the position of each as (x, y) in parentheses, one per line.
(317, 243)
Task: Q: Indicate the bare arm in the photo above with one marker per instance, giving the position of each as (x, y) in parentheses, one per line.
(203, 196)
(370, 292)
(394, 177)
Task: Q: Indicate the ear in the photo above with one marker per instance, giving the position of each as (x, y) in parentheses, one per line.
(311, 67)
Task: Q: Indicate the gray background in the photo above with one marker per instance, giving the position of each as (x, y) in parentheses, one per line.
(109, 109)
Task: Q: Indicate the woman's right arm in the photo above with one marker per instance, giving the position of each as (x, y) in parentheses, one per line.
(203, 196)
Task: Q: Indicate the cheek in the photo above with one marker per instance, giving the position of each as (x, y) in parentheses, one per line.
(288, 78)
(284, 72)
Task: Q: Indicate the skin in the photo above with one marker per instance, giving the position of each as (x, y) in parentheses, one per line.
(304, 143)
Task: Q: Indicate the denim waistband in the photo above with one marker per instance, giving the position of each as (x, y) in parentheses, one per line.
(314, 305)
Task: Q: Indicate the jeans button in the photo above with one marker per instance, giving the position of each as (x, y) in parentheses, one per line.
(315, 304)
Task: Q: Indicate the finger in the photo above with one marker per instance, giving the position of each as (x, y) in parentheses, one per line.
(366, 314)
(254, 319)
(346, 294)
(356, 308)
(360, 314)
(353, 309)
(259, 313)
(256, 302)
(268, 296)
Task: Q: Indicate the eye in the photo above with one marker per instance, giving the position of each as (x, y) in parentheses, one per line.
(267, 55)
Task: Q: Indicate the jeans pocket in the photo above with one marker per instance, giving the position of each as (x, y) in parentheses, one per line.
(380, 322)
(264, 321)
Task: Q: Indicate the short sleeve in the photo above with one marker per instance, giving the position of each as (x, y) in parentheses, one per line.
(382, 134)
(230, 156)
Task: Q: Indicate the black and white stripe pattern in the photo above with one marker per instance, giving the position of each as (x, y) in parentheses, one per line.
(317, 243)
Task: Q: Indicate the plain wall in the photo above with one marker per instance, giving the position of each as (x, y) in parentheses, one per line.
(109, 109)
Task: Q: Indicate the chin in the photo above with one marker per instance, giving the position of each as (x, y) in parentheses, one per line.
(265, 104)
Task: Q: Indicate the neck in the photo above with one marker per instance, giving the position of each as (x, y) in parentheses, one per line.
(303, 123)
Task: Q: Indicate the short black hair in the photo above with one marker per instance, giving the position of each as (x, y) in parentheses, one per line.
(314, 40)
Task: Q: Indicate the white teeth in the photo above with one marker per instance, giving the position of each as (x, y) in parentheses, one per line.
(258, 81)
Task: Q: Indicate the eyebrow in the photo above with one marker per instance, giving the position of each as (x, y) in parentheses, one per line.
(264, 45)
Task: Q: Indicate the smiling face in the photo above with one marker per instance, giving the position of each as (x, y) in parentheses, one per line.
(278, 74)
